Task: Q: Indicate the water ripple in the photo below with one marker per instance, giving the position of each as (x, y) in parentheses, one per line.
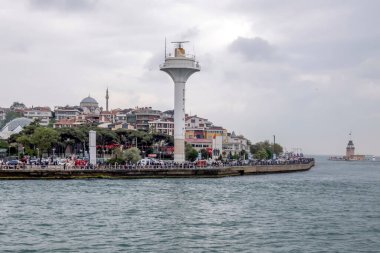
(332, 208)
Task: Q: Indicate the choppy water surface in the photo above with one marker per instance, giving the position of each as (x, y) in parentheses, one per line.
(335, 207)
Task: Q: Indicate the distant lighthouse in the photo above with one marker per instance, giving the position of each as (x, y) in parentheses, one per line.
(179, 67)
(350, 149)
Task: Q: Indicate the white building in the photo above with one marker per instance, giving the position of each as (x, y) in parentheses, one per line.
(3, 114)
(199, 144)
(195, 122)
(163, 126)
(67, 112)
(235, 144)
(42, 114)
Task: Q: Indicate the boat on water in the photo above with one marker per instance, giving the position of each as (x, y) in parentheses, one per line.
(336, 158)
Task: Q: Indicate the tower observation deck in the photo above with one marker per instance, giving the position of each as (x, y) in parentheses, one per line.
(179, 67)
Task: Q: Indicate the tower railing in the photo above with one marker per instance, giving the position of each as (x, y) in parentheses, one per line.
(178, 64)
(189, 56)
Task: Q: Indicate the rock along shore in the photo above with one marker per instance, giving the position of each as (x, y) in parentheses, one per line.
(59, 173)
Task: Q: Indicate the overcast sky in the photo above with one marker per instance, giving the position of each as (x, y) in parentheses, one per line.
(306, 71)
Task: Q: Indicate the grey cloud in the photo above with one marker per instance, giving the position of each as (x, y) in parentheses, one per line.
(370, 69)
(310, 59)
(253, 49)
(332, 55)
(66, 5)
(191, 33)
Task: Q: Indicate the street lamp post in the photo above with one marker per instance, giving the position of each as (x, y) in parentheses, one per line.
(53, 155)
(274, 144)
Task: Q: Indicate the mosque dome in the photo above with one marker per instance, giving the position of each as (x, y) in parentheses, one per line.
(89, 100)
(89, 105)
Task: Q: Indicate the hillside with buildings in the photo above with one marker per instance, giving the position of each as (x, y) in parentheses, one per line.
(200, 133)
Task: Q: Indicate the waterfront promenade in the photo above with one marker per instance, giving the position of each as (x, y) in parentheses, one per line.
(152, 171)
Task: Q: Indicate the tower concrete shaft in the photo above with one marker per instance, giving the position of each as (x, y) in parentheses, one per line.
(179, 68)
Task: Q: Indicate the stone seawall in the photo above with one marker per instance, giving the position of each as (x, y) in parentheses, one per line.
(150, 173)
(263, 169)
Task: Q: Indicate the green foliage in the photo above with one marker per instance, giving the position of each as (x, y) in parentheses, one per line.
(44, 138)
(24, 140)
(3, 144)
(269, 153)
(243, 154)
(190, 153)
(278, 149)
(116, 161)
(132, 155)
(51, 123)
(204, 153)
(261, 154)
(76, 139)
(17, 105)
(267, 147)
(118, 153)
(29, 130)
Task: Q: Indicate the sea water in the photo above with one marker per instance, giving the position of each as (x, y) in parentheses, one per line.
(334, 207)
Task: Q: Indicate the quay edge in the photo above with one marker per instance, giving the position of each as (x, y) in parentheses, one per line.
(19, 174)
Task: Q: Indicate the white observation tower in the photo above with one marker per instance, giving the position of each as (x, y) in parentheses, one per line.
(179, 67)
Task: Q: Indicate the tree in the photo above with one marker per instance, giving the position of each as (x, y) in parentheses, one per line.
(29, 130)
(278, 149)
(17, 105)
(267, 147)
(190, 153)
(243, 154)
(3, 144)
(261, 154)
(269, 152)
(44, 138)
(204, 153)
(132, 155)
(25, 142)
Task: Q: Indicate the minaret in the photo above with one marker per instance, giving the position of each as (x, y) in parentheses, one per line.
(107, 97)
(179, 67)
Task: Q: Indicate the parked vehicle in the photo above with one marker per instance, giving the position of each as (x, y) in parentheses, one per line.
(33, 161)
(13, 162)
(201, 163)
(156, 161)
(62, 162)
(145, 162)
(101, 161)
(81, 163)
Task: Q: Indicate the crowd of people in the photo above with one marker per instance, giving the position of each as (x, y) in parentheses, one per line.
(74, 164)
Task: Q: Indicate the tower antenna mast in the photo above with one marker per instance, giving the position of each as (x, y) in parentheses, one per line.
(165, 49)
(179, 43)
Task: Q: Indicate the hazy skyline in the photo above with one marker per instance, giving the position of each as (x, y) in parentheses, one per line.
(306, 71)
